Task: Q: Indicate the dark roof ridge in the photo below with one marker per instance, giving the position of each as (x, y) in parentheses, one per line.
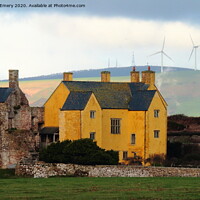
(112, 82)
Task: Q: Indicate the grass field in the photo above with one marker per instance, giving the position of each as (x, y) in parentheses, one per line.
(100, 188)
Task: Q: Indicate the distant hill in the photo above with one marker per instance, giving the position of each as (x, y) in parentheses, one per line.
(115, 71)
(179, 86)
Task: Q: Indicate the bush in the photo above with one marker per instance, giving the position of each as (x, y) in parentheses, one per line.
(54, 153)
(156, 159)
(83, 152)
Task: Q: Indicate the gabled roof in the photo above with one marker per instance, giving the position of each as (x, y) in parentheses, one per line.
(141, 100)
(110, 95)
(76, 101)
(4, 94)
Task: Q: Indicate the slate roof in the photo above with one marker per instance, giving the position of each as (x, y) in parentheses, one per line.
(141, 100)
(4, 94)
(76, 101)
(110, 95)
(49, 130)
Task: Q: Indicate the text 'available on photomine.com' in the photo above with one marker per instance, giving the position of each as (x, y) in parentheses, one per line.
(41, 5)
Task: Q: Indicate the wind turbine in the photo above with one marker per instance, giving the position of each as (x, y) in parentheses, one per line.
(133, 60)
(162, 53)
(194, 49)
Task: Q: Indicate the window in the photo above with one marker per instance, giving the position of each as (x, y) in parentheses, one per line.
(132, 138)
(50, 138)
(56, 137)
(92, 114)
(92, 135)
(115, 126)
(156, 133)
(156, 113)
(125, 155)
(43, 138)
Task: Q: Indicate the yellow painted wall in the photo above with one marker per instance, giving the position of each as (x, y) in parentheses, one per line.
(156, 145)
(74, 125)
(53, 105)
(92, 124)
(78, 124)
(69, 125)
(132, 122)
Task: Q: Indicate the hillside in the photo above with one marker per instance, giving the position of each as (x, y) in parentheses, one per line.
(115, 71)
(180, 87)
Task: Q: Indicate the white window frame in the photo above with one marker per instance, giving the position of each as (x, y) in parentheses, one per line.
(92, 114)
(156, 133)
(115, 127)
(156, 113)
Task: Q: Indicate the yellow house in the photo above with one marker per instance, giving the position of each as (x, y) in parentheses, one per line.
(128, 117)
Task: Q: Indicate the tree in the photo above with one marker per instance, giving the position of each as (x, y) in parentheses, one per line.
(83, 151)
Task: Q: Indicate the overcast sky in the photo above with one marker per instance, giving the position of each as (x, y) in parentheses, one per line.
(40, 41)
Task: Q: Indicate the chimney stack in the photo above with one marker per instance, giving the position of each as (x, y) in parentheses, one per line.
(148, 77)
(105, 76)
(135, 76)
(67, 76)
(13, 78)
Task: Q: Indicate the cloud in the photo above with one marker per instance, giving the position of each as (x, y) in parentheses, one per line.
(45, 43)
(176, 10)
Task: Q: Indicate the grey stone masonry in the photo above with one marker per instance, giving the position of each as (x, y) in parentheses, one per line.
(45, 170)
(19, 125)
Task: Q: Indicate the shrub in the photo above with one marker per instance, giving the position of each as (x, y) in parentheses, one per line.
(156, 159)
(136, 160)
(54, 153)
(83, 151)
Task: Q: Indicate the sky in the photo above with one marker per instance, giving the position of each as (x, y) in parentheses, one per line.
(97, 34)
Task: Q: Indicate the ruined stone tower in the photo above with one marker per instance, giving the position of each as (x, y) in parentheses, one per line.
(18, 123)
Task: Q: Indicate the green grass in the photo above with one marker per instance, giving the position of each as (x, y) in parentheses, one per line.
(100, 188)
(7, 173)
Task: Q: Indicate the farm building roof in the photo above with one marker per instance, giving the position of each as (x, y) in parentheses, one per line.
(76, 101)
(110, 95)
(4, 94)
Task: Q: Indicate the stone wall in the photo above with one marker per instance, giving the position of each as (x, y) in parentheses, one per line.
(16, 144)
(19, 125)
(45, 170)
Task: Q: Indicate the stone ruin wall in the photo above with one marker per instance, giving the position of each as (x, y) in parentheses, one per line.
(19, 125)
(45, 170)
(21, 139)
